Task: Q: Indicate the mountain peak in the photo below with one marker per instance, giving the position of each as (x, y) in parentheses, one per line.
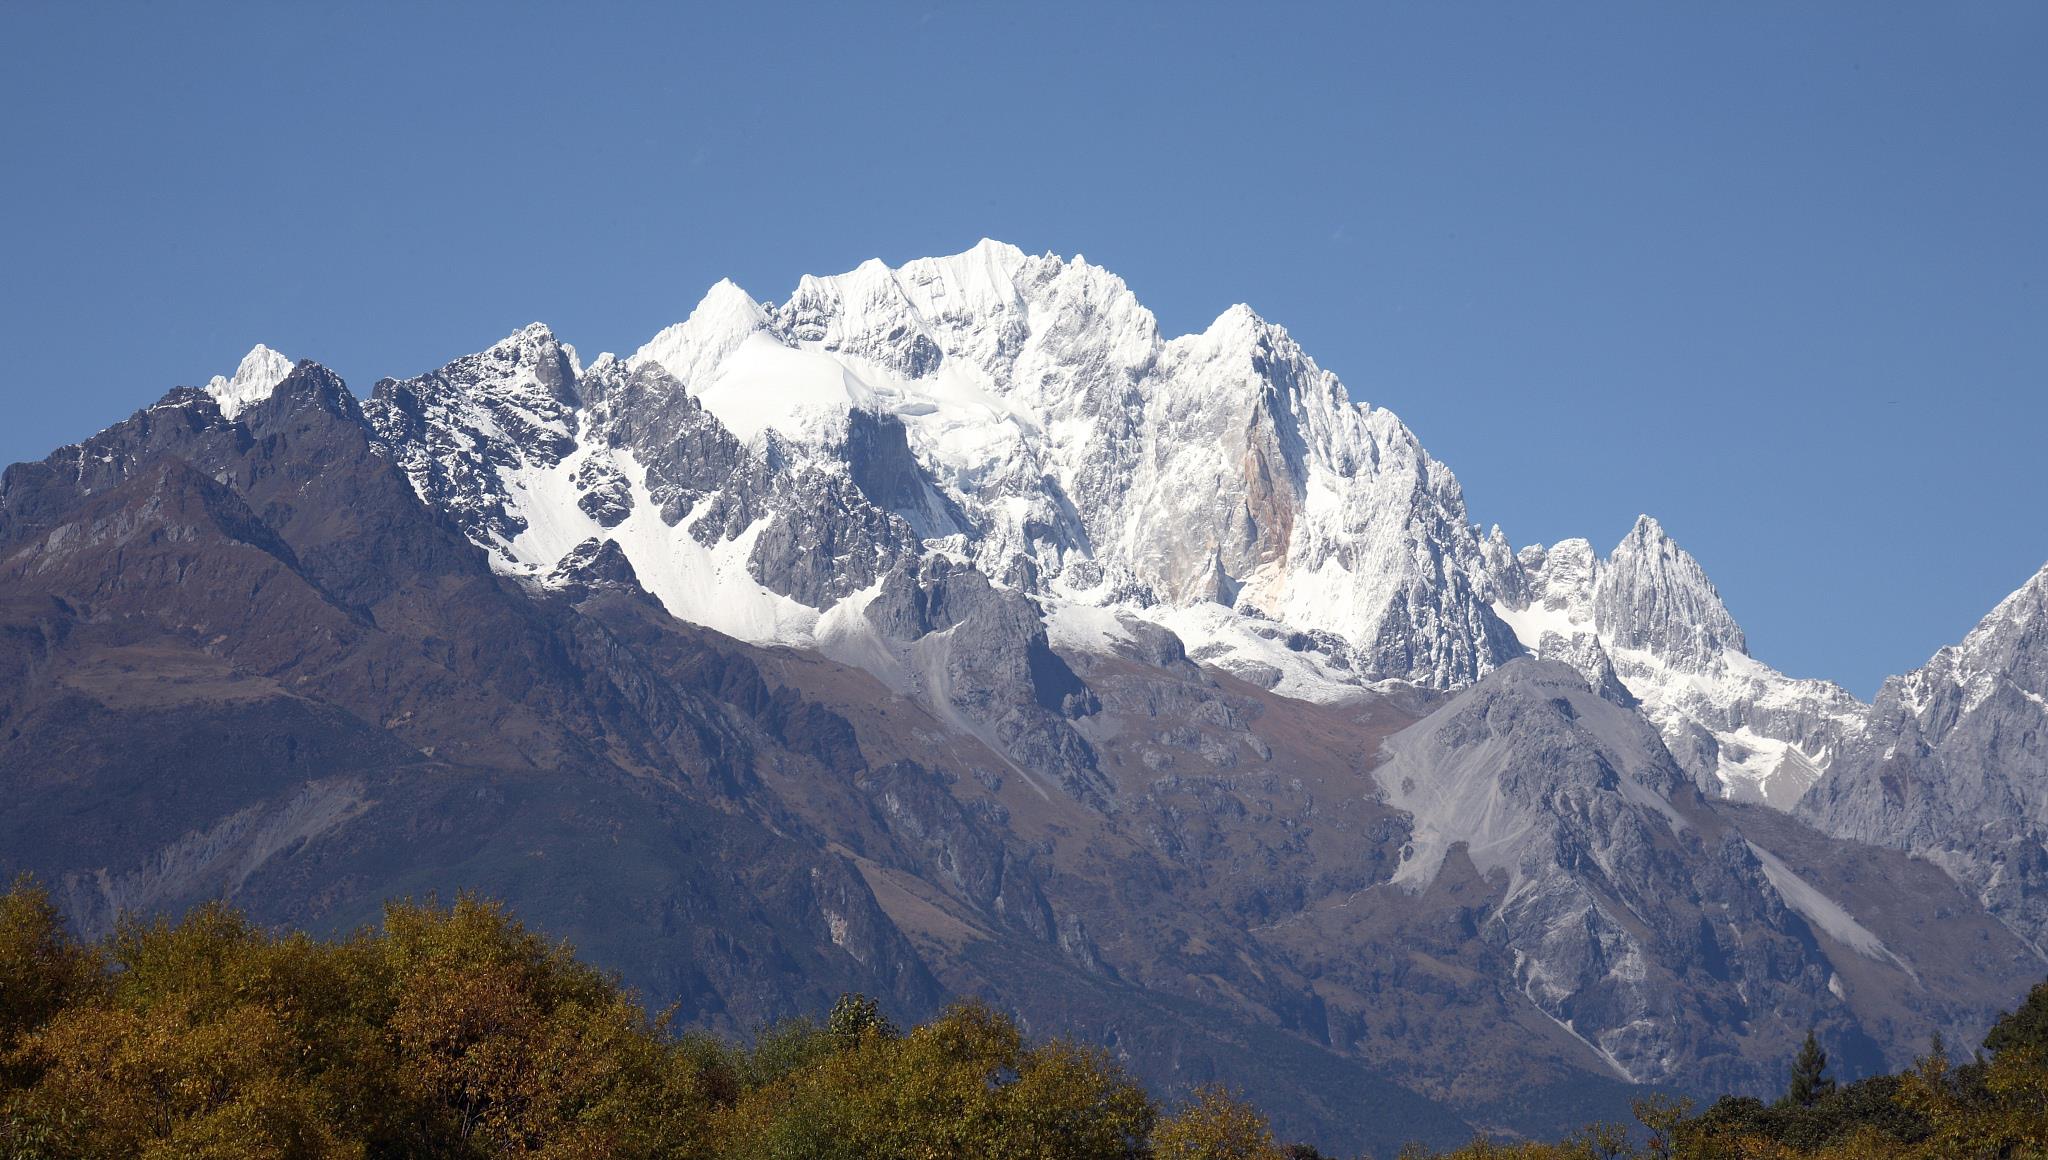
(988, 254)
(998, 250)
(1239, 316)
(1240, 330)
(726, 306)
(254, 379)
(1648, 531)
(530, 342)
(2011, 642)
(1655, 596)
(691, 350)
(983, 280)
(725, 294)
(1647, 541)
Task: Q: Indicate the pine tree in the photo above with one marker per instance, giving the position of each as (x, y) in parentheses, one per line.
(1810, 1080)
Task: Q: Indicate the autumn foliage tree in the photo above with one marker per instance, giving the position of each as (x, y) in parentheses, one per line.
(454, 1031)
(964, 1084)
(1215, 1124)
(41, 969)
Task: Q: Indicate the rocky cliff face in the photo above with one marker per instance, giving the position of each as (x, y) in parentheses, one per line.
(1952, 766)
(1636, 917)
(239, 658)
(1646, 619)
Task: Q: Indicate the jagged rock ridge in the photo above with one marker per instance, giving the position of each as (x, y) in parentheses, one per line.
(1019, 413)
(761, 463)
(1954, 765)
(1647, 620)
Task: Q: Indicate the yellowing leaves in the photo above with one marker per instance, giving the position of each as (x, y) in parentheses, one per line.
(454, 1031)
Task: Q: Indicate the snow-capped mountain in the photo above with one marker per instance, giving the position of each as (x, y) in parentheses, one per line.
(1647, 619)
(264, 641)
(761, 463)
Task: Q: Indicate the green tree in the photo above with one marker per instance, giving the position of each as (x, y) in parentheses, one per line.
(1809, 1080)
(2026, 1028)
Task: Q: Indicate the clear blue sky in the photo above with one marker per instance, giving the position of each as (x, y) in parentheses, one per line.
(1776, 274)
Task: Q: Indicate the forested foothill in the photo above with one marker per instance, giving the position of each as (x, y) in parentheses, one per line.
(454, 1031)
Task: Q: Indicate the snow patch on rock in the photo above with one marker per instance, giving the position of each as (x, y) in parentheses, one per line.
(1823, 912)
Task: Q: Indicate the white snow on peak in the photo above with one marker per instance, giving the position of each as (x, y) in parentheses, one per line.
(531, 334)
(762, 385)
(1220, 483)
(693, 348)
(253, 381)
(982, 280)
(1212, 474)
(1985, 661)
(2027, 606)
(1648, 612)
(1237, 324)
